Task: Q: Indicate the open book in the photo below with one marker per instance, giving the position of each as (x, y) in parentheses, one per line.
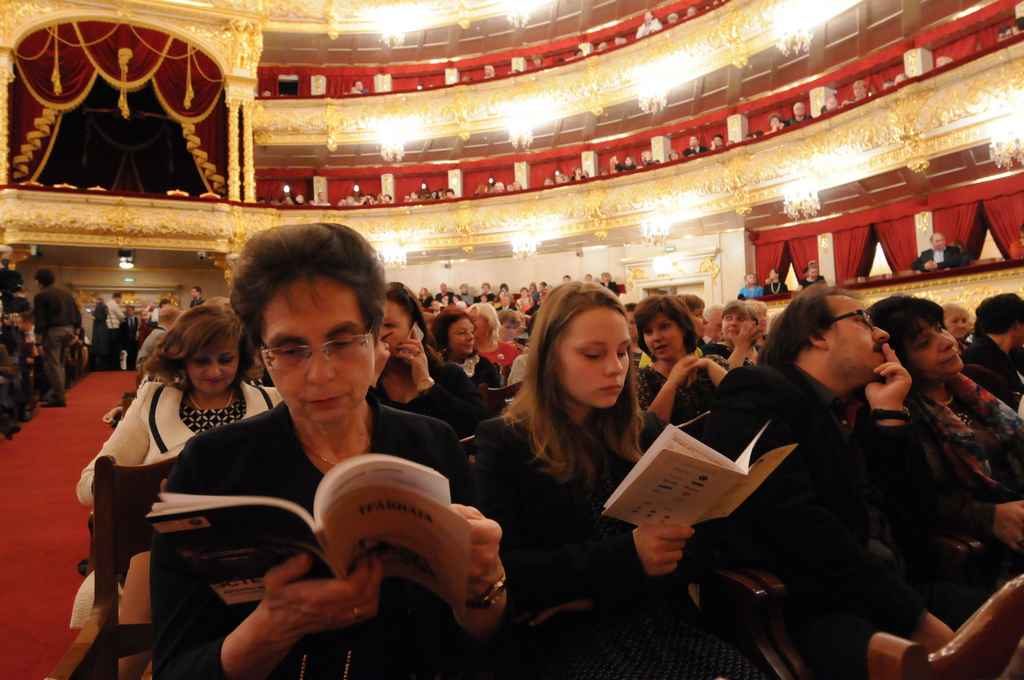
(681, 480)
(372, 504)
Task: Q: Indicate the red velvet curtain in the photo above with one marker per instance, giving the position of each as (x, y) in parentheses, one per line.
(58, 65)
(803, 250)
(899, 243)
(854, 250)
(1005, 217)
(961, 226)
(772, 256)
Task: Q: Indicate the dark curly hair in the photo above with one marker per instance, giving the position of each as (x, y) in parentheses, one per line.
(673, 308)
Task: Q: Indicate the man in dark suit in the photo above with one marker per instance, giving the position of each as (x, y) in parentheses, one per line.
(940, 256)
(56, 318)
(130, 336)
(817, 521)
(998, 337)
(694, 147)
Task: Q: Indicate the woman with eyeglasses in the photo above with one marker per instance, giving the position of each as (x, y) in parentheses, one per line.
(414, 377)
(456, 339)
(199, 370)
(312, 298)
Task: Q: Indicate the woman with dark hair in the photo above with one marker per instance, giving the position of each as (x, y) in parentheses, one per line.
(678, 385)
(974, 443)
(455, 334)
(414, 377)
(426, 300)
(311, 297)
(603, 599)
(199, 373)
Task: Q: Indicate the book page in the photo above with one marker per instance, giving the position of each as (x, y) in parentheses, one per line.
(759, 471)
(415, 536)
(673, 487)
(376, 469)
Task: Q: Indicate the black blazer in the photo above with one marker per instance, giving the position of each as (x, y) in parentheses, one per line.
(262, 456)
(453, 398)
(953, 257)
(985, 352)
(808, 522)
(550, 544)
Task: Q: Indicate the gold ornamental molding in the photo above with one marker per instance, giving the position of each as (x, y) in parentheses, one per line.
(947, 113)
(229, 31)
(728, 35)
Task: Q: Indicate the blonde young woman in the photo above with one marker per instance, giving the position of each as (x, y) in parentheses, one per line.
(199, 372)
(603, 599)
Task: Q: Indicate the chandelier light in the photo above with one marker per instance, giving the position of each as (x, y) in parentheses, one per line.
(652, 81)
(519, 11)
(795, 21)
(655, 230)
(800, 200)
(523, 117)
(393, 254)
(392, 134)
(524, 245)
(1006, 144)
(394, 21)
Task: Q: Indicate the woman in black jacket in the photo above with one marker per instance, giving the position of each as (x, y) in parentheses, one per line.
(610, 597)
(415, 378)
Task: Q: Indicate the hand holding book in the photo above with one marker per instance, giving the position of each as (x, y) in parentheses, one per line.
(660, 546)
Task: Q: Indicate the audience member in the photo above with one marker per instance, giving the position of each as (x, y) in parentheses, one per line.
(678, 385)
(56, 318)
(741, 332)
(465, 294)
(11, 280)
(609, 283)
(455, 335)
(998, 338)
(101, 344)
(957, 320)
(425, 298)
(973, 442)
(487, 330)
(831, 103)
(750, 288)
(636, 354)
(694, 147)
(9, 372)
(200, 369)
(196, 297)
(312, 297)
(524, 303)
(772, 284)
(599, 595)
(811, 275)
(130, 337)
(940, 256)
(799, 114)
(860, 93)
(717, 142)
(775, 124)
(445, 296)
(413, 376)
(485, 294)
(168, 315)
(650, 25)
(713, 324)
(115, 316)
(358, 88)
(1017, 246)
(488, 71)
(513, 326)
(816, 521)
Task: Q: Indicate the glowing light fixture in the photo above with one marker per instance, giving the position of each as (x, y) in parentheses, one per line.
(519, 11)
(524, 245)
(522, 117)
(393, 254)
(655, 230)
(652, 81)
(394, 21)
(1006, 144)
(800, 200)
(126, 259)
(662, 265)
(795, 21)
(392, 134)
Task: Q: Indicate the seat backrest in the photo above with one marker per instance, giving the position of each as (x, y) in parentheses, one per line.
(496, 398)
(124, 495)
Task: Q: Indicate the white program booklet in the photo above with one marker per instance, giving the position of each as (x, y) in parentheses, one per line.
(680, 480)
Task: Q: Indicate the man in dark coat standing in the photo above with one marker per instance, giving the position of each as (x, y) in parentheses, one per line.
(56, 318)
(102, 343)
(130, 336)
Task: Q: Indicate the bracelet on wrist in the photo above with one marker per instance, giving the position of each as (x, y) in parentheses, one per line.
(488, 598)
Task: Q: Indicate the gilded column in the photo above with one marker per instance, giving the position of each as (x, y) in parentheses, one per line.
(6, 78)
(248, 109)
(234, 170)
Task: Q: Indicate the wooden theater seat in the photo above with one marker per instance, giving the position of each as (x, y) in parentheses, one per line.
(746, 606)
(124, 495)
(496, 398)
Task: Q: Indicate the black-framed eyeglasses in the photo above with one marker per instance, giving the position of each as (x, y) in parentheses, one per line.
(861, 316)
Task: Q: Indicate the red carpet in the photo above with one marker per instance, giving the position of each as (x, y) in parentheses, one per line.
(46, 534)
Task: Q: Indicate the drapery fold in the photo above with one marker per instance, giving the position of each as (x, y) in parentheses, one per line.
(899, 244)
(58, 67)
(854, 250)
(961, 226)
(803, 251)
(772, 256)
(1005, 217)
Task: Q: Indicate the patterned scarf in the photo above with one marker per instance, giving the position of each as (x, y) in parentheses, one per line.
(977, 467)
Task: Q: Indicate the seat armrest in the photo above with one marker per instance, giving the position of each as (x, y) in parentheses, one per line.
(80, 653)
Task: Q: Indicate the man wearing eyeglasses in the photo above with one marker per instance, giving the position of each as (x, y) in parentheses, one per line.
(828, 381)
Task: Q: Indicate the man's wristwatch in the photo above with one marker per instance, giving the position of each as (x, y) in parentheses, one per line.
(878, 414)
(425, 385)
